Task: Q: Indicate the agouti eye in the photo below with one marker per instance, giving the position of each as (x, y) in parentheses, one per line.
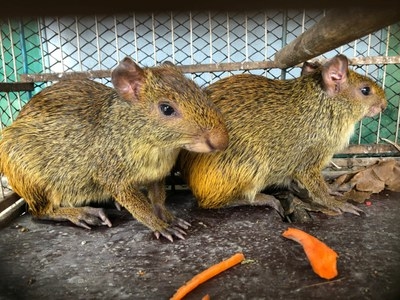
(366, 90)
(167, 109)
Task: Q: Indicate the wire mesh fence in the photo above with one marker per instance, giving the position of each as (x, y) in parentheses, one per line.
(99, 42)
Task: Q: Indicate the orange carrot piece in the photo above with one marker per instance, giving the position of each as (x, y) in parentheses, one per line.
(321, 257)
(206, 297)
(206, 275)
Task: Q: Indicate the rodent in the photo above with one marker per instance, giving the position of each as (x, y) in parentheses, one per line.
(80, 141)
(282, 133)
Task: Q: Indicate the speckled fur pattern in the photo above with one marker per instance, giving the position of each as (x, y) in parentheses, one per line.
(80, 141)
(280, 130)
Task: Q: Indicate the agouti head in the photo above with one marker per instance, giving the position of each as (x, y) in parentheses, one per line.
(178, 108)
(338, 81)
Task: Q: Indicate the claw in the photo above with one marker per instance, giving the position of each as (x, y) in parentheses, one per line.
(350, 208)
(270, 201)
(167, 236)
(104, 218)
(331, 207)
(182, 223)
(168, 233)
(278, 207)
(178, 230)
(106, 222)
(335, 193)
(117, 206)
(345, 207)
(82, 224)
(91, 214)
(179, 236)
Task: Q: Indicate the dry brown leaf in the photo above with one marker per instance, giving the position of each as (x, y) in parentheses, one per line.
(360, 185)
(342, 184)
(357, 196)
(384, 170)
(367, 181)
(343, 179)
(393, 183)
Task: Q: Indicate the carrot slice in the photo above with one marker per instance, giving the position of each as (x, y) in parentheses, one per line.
(322, 258)
(206, 275)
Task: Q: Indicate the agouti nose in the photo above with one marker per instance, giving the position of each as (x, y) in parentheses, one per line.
(218, 139)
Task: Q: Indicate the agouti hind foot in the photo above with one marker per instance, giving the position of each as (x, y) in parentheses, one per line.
(80, 216)
(261, 199)
(349, 208)
(334, 207)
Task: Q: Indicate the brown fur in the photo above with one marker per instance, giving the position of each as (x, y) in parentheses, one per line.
(79, 141)
(280, 130)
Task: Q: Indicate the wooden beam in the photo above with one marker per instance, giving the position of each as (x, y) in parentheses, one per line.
(338, 27)
(12, 206)
(8, 200)
(46, 77)
(198, 68)
(341, 166)
(356, 163)
(201, 68)
(226, 67)
(370, 149)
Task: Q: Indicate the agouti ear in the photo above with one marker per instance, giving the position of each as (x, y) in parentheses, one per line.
(127, 79)
(334, 74)
(170, 64)
(309, 67)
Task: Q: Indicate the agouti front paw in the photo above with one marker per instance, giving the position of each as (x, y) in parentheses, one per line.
(176, 228)
(170, 232)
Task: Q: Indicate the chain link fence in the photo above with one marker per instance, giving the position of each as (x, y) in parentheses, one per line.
(86, 43)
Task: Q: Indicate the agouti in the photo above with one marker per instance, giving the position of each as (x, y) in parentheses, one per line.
(281, 132)
(80, 141)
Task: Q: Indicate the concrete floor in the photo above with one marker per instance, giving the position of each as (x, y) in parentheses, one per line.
(47, 260)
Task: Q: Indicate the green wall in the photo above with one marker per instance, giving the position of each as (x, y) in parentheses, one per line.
(20, 53)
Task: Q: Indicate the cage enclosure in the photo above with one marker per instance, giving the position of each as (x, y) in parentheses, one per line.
(36, 52)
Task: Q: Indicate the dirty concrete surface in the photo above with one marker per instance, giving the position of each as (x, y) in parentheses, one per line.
(49, 260)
